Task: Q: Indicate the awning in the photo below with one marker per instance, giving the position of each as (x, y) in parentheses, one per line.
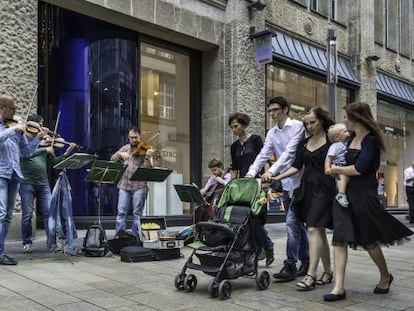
(310, 57)
(397, 89)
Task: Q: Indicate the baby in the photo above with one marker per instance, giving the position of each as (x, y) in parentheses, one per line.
(338, 135)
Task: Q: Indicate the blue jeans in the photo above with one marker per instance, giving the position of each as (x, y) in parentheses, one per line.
(8, 193)
(125, 199)
(61, 224)
(42, 195)
(297, 245)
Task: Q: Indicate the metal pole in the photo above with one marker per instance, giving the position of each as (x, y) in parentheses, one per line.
(331, 71)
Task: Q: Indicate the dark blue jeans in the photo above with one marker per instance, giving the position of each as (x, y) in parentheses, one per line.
(297, 245)
(28, 194)
(8, 192)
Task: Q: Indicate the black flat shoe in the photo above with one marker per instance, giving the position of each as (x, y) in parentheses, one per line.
(382, 291)
(333, 297)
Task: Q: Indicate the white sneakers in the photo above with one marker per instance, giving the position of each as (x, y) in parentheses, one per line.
(27, 248)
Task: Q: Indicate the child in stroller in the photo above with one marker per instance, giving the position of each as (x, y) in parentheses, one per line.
(226, 247)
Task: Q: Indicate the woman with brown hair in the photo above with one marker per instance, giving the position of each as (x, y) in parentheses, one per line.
(312, 201)
(365, 223)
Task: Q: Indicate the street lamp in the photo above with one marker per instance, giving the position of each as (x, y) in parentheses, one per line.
(331, 71)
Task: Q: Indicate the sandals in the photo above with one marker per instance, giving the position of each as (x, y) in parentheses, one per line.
(307, 283)
(326, 278)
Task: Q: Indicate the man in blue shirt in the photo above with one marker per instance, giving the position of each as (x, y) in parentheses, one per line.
(282, 140)
(12, 144)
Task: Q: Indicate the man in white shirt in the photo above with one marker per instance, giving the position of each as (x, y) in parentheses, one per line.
(282, 140)
(409, 190)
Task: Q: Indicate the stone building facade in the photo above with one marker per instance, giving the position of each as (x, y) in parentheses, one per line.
(218, 32)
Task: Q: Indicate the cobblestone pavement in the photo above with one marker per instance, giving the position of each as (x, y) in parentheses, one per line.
(45, 281)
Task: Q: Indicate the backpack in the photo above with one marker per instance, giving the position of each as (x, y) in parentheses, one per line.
(95, 242)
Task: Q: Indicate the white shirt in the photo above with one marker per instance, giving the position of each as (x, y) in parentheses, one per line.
(408, 173)
(283, 142)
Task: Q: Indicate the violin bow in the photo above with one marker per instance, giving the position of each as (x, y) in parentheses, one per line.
(153, 136)
(55, 129)
(149, 139)
(31, 102)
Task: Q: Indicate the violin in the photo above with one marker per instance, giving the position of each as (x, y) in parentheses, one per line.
(58, 143)
(31, 126)
(140, 149)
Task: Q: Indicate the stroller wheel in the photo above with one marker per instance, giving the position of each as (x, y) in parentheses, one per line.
(263, 280)
(213, 288)
(224, 289)
(179, 281)
(190, 283)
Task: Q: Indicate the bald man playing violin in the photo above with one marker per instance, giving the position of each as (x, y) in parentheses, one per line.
(132, 193)
(35, 184)
(13, 144)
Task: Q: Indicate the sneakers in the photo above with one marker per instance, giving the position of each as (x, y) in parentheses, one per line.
(287, 274)
(303, 269)
(27, 248)
(342, 199)
(8, 261)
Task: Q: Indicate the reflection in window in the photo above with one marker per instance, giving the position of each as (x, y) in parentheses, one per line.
(399, 142)
(165, 109)
(301, 91)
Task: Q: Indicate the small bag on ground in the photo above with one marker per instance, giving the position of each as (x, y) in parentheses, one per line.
(95, 242)
(123, 239)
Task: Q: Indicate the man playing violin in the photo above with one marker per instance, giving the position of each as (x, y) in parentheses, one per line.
(132, 193)
(35, 184)
(13, 144)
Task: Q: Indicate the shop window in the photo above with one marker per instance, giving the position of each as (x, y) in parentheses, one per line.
(165, 113)
(396, 124)
(103, 80)
(379, 21)
(301, 92)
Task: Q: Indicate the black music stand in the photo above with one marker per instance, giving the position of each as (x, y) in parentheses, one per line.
(156, 174)
(104, 172)
(75, 161)
(190, 194)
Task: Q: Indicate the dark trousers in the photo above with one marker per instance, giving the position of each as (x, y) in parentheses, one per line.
(410, 199)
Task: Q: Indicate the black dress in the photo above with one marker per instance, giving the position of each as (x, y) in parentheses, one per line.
(365, 222)
(316, 190)
(243, 155)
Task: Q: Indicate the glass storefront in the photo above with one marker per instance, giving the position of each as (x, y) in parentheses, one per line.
(165, 120)
(101, 79)
(395, 122)
(301, 91)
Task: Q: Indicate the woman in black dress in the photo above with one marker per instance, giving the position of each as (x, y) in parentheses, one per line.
(365, 223)
(243, 152)
(312, 201)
